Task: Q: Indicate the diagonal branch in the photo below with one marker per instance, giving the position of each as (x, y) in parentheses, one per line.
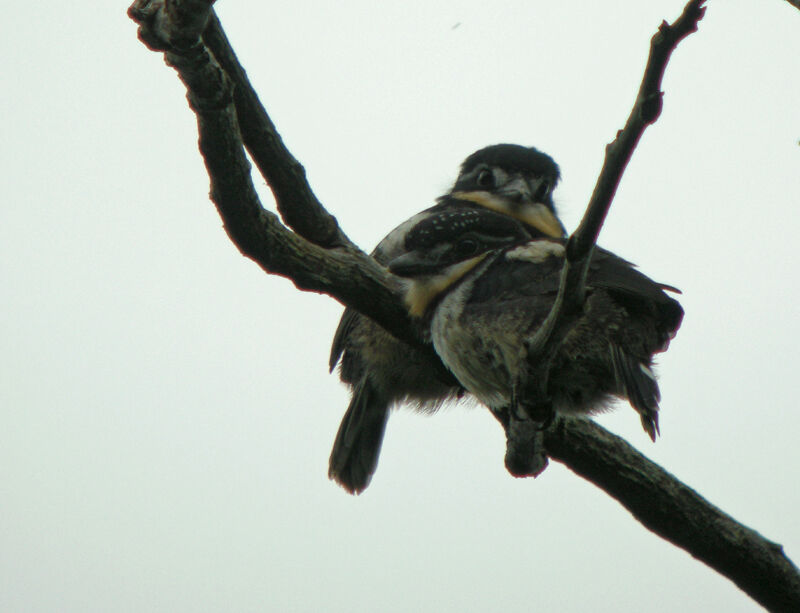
(524, 453)
(646, 110)
(295, 200)
(677, 513)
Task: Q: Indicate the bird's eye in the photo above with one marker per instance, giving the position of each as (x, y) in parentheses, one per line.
(541, 191)
(467, 247)
(485, 178)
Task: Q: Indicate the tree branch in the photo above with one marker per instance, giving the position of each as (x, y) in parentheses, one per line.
(677, 513)
(346, 273)
(646, 110)
(167, 25)
(524, 453)
(656, 499)
(296, 202)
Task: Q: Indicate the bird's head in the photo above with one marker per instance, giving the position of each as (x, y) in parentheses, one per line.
(512, 180)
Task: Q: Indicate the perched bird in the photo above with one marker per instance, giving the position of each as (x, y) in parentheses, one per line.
(382, 371)
(485, 286)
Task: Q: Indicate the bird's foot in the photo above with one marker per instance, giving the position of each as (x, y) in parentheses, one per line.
(525, 454)
(531, 403)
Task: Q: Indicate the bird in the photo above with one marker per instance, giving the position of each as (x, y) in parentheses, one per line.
(382, 371)
(483, 286)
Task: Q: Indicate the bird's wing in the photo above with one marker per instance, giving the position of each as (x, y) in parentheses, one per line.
(340, 336)
(635, 290)
(531, 276)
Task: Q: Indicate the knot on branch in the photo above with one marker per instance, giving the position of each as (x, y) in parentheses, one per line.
(174, 25)
(651, 106)
(209, 86)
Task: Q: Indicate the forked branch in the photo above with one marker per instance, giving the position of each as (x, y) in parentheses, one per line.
(316, 255)
(646, 110)
(344, 272)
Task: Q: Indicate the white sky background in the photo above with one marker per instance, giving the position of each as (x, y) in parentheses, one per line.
(165, 409)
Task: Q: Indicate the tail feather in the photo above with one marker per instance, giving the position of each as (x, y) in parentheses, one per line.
(355, 452)
(638, 383)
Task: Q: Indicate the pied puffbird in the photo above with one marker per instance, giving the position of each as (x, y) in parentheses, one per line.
(382, 371)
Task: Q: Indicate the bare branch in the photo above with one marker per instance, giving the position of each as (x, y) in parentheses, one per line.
(656, 499)
(677, 513)
(522, 436)
(296, 202)
(175, 26)
(646, 110)
(346, 274)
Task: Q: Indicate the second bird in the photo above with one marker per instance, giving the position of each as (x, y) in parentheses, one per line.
(382, 371)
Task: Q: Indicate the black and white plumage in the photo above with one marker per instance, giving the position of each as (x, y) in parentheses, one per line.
(494, 285)
(383, 371)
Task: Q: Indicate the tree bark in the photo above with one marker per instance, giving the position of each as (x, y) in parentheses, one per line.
(675, 512)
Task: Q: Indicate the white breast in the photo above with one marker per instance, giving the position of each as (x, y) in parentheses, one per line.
(482, 358)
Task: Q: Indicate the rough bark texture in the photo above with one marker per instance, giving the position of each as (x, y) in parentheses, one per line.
(677, 513)
(296, 203)
(317, 256)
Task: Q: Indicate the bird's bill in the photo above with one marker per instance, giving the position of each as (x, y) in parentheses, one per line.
(533, 214)
(414, 264)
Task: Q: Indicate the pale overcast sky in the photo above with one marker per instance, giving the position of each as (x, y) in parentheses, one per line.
(166, 413)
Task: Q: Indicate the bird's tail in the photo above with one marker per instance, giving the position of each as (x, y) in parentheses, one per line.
(354, 457)
(638, 383)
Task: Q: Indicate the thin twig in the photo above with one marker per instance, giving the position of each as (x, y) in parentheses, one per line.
(543, 344)
(646, 110)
